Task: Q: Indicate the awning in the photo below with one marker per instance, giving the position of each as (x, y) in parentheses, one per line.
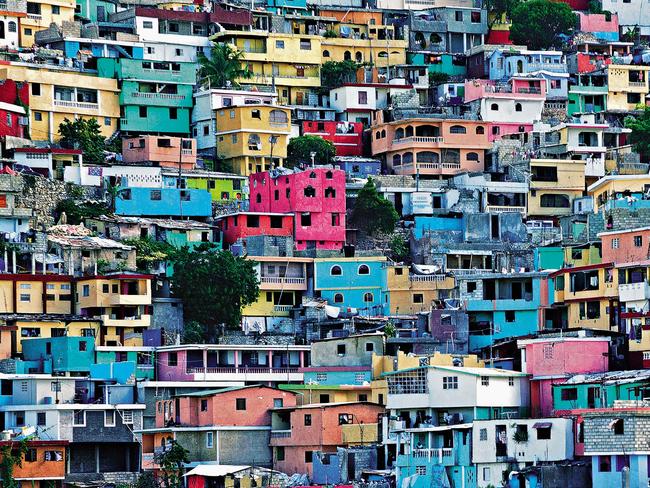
(542, 425)
(215, 470)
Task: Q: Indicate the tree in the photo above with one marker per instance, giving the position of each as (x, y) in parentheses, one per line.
(150, 252)
(334, 73)
(193, 333)
(171, 461)
(640, 136)
(76, 211)
(498, 8)
(539, 24)
(214, 286)
(300, 148)
(84, 134)
(10, 458)
(372, 213)
(224, 67)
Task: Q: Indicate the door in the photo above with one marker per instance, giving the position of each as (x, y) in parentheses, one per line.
(593, 397)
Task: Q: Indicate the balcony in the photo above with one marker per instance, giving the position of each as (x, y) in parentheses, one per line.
(136, 321)
(18, 213)
(588, 89)
(159, 96)
(419, 140)
(35, 17)
(144, 299)
(637, 84)
(434, 278)
(633, 292)
(427, 168)
(283, 309)
(472, 271)
(245, 373)
(283, 283)
(441, 456)
(553, 67)
(280, 434)
(76, 105)
(505, 208)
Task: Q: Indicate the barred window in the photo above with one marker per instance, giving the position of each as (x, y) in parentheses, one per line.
(408, 382)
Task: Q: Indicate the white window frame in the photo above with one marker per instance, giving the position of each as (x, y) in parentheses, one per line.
(209, 440)
(74, 424)
(127, 417)
(106, 422)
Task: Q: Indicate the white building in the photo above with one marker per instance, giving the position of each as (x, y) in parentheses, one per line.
(631, 13)
(131, 176)
(497, 444)
(9, 29)
(207, 101)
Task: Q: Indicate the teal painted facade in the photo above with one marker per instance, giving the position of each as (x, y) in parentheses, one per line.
(336, 378)
(155, 119)
(444, 64)
(548, 258)
(96, 10)
(164, 202)
(110, 363)
(597, 394)
(66, 354)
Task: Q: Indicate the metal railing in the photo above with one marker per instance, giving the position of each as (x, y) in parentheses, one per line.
(163, 96)
(240, 370)
(419, 139)
(431, 277)
(71, 104)
(283, 281)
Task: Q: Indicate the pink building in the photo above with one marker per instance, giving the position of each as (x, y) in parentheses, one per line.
(315, 196)
(241, 225)
(601, 25)
(238, 406)
(167, 152)
(625, 246)
(551, 360)
(13, 118)
(299, 431)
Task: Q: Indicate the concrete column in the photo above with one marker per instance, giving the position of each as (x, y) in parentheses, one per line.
(302, 359)
(236, 361)
(270, 361)
(6, 257)
(33, 263)
(464, 42)
(96, 459)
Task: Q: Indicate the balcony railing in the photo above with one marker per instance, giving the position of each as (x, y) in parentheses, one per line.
(419, 139)
(472, 271)
(160, 96)
(282, 308)
(530, 90)
(278, 280)
(632, 292)
(428, 278)
(637, 84)
(241, 370)
(186, 152)
(280, 434)
(504, 208)
(35, 16)
(433, 454)
(70, 104)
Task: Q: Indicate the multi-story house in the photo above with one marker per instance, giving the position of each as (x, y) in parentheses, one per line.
(497, 445)
(14, 215)
(614, 194)
(166, 152)
(42, 13)
(411, 293)
(298, 431)
(506, 63)
(603, 26)
(154, 95)
(65, 355)
(13, 117)
(588, 94)
(627, 86)
(222, 187)
(253, 138)
(164, 202)
(347, 137)
(431, 147)
(237, 227)
(592, 54)
(208, 101)
(12, 13)
(554, 185)
(232, 365)
(584, 297)
(110, 358)
(629, 16)
(123, 303)
(49, 162)
(316, 198)
(355, 284)
(227, 426)
(59, 92)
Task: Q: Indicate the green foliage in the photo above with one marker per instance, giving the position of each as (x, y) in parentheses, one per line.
(330, 34)
(193, 333)
(214, 286)
(76, 212)
(640, 136)
(334, 73)
(539, 23)
(372, 213)
(498, 8)
(225, 65)
(10, 459)
(300, 148)
(437, 78)
(520, 436)
(595, 7)
(149, 251)
(630, 34)
(399, 248)
(146, 479)
(171, 462)
(390, 330)
(84, 134)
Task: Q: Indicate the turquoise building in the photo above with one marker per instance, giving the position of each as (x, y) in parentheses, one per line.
(163, 202)
(155, 96)
(439, 63)
(120, 361)
(60, 355)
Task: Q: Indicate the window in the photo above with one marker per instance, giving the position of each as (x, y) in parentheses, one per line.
(511, 381)
(38, 116)
(155, 195)
(370, 347)
(486, 472)
(485, 381)
(309, 456)
(179, 52)
(458, 15)
(241, 404)
(618, 426)
(279, 453)
(421, 470)
(638, 241)
(85, 290)
(472, 156)
(475, 17)
(278, 117)
(340, 349)
(494, 107)
(418, 298)
(305, 219)
(79, 418)
(338, 298)
(569, 394)
(363, 98)
(305, 44)
(307, 419)
(604, 464)
(279, 44)
(12, 26)
(363, 270)
(615, 243)
(209, 440)
(31, 456)
(555, 201)
(544, 433)
(147, 24)
(450, 382)
(41, 419)
(278, 402)
(142, 112)
(336, 271)
(483, 435)
(56, 10)
(345, 418)
(25, 297)
(28, 32)
(127, 417)
(172, 359)
(109, 418)
(457, 129)
(326, 54)
(204, 404)
(368, 297)
(254, 143)
(480, 130)
(362, 397)
(36, 89)
(510, 315)
(83, 346)
(173, 113)
(310, 192)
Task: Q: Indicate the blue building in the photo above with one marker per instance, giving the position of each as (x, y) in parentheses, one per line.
(66, 354)
(353, 283)
(504, 64)
(501, 305)
(163, 202)
(358, 167)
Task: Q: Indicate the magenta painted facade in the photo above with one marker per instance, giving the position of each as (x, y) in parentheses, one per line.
(315, 196)
(553, 360)
(597, 23)
(499, 130)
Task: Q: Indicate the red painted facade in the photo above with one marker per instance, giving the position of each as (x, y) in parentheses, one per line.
(315, 196)
(245, 224)
(13, 93)
(346, 136)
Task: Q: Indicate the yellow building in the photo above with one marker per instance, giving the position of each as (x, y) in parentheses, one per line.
(52, 326)
(42, 13)
(627, 86)
(411, 293)
(290, 62)
(374, 44)
(58, 93)
(554, 184)
(613, 191)
(582, 255)
(121, 301)
(36, 294)
(251, 137)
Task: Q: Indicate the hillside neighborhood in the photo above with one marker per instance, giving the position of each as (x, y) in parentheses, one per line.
(324, 243)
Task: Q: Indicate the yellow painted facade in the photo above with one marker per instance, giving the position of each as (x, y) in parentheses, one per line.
(244, 136)
(36, 296)
(569, 184)
(55, 328)
(414, 293)
(47, 113)
(380, 52)
(584, 255)
(627, 86)
(44, 13)
(607, 187)
(385, 364)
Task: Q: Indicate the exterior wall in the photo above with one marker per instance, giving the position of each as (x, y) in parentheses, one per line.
(53, 328)
(150, 149)
(238, 226)
(625, 250)
(229, 447)
(346, 136)
(224, 188)
(11, 39)
(405, 290)
(621, 88)
(52, 468)
(34, 23)
(350, 98)
(42, 294)
(598, 25)
(359, 351)
(570, 183)
(172, 202)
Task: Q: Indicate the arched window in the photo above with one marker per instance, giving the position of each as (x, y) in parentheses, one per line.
(480, 130)
(382, 54)
(399, 133)
(495, 107)
(310, 192)
(427, 157)
(358, 56)
(338, 298)
(363, 270)
(518, 107)
(378, 135)
(329, 175)
(330, 192)
(409, 131)
(278, 117)
(472, 156)
(258, 198)
(451, 156)
(254, 143)
(435, 38)
(347, 56)
(336, 271)
(419, 39)
(326, 54)
(383, 133)
(312, 174)
(457, 129)
(397, 160)
(368, 297)
(407, 158)
(11, 26)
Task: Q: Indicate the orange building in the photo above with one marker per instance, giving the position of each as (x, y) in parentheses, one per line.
(43, 464)
(166, 152)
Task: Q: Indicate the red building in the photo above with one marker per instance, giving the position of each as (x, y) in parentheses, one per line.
(244, 224)
(346, 136)
(13, 116)
(315, 196)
